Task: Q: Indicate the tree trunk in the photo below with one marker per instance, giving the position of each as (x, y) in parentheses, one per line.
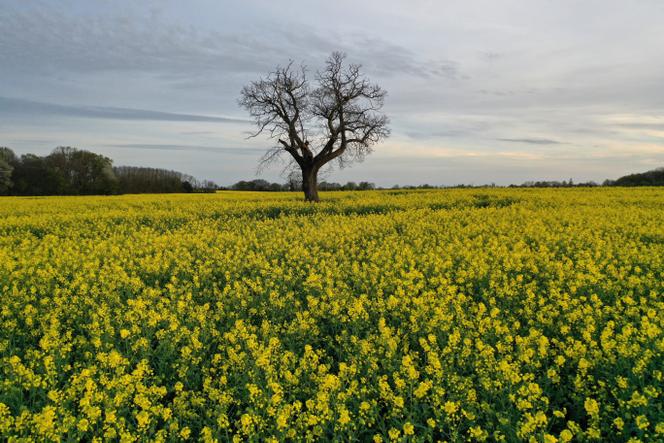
(310, 184)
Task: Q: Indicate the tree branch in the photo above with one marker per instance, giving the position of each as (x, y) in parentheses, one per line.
(340, 119)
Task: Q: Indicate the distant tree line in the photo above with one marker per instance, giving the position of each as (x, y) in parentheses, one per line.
(649, 178)
(140, 180)
(71, 171)
(555, 184)
(296, 185)
(349, 186)
(258, 185)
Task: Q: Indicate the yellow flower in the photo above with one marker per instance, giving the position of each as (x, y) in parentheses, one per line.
(282, 419)
(642, 422)
(408, 428)
(344, 416)
(450, 407)
(114, 358)
(422, 389)
(45, 420)
(246, 422)
(591, 406)
(594, 433)
(143, 418)
(478, 434)
(54, 395)
(566, 435)
(659, 428)
(83, 424)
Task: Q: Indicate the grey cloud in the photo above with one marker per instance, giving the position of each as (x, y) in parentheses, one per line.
(453, 127)
(166, 147)
(51, 42)
(387, 59)
(490, 56)
(442, 134)
(48, 40)
(532, 141)
(197, 132)
(508, 93)
(639, 125)
(14, 106)
(497, 93)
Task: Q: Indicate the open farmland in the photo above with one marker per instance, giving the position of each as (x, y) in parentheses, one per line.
(483, 314)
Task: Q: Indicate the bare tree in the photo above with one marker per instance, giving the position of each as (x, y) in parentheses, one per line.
(339, 120)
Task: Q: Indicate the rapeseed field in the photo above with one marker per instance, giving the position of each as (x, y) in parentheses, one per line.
(450, 315)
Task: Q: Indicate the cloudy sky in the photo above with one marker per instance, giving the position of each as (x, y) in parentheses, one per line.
(480, 91)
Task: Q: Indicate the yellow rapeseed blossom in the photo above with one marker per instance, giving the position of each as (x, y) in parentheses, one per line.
(450, 407)
(566, 435)
(591, 406)
(452, 315)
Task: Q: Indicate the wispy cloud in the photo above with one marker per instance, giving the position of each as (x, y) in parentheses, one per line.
(14, 106)
(166, 147)
(441, 134)
(197, 132)
(639, 125)
(59, 42)
(532, 141)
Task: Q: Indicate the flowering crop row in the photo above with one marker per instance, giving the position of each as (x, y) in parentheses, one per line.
(461, 315)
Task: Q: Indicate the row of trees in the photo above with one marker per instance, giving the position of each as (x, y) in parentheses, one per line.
(71, 171)
(138, 180)
(555, 184)
(649, 178)
(296, 185)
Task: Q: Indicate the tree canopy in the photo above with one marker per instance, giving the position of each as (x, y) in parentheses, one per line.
(72, 171)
